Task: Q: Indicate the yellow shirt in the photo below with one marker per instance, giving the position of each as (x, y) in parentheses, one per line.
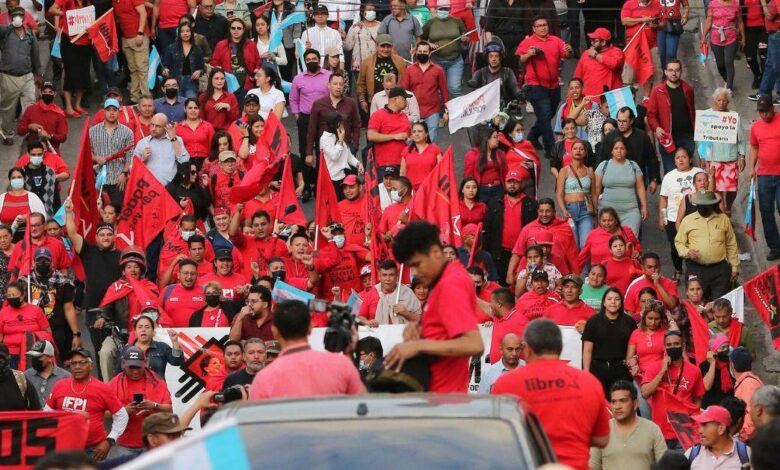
(712, 237)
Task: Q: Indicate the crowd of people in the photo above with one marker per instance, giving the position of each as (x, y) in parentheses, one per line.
(364, 87)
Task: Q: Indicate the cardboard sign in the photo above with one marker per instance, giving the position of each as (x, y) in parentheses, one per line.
(715, 126)
(79, 20)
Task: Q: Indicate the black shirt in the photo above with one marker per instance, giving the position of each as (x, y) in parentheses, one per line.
(11, 398)
(640, 150)
(681, 118)
(609, 337)
(239, 377)
(213, 29)
(715, 395)
(101, 268)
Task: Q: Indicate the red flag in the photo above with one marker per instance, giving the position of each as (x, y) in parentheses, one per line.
(148, 299)
(436, 200)
(288, 200)
(262, 9)
(146, 208)
(102, 33)
(678, 415)
(373, 214)
(83, 193)
(637, 54)
(326, 205)
(27, 258)
(474, 244)
(699, 330)
(258, 177)
(273, 141)
(30, 435)
(762, 291)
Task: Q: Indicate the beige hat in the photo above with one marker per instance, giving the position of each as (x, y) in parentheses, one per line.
(227, 155)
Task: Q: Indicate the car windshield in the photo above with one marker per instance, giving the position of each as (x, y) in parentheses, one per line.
(378, 444)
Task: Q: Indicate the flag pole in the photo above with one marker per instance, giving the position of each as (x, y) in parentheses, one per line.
(78, 36)
(634, 37)
(398, 289)
(316, 236)
(454, 40)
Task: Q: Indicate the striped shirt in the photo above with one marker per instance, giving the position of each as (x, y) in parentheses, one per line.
(323, 38)
(106, 143)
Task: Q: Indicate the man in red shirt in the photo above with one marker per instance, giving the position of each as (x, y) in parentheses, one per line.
(81, 393)
(60, 259)
(664, 287)
(569, 403)
(427, 82)
(261, 247)
(345, 275)
(448, 332)
(506, 320)
(266, 200)
(353, 211)
(389, 128)
(44, 120)
(571, 311)
(601, 66)
(234, 285)
(180, 300)
(672, 377)
(137, 381)
(395, 216)
(534, 303)
(134, 28)
(765, 139)
(541, 53)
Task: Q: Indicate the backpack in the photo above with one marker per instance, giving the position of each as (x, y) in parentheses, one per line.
(741, 452)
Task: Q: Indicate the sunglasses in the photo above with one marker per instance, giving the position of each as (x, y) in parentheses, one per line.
(236, 28)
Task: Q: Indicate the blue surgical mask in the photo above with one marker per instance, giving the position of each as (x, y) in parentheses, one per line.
(443, 14)
(339, 240)
(186, 234)
(362, 365)
(17, 183)
(395, 196)
(370, 15)
(36, 160)
(517, 136)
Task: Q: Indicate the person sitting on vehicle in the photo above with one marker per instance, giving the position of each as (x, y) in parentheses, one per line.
(495, 70)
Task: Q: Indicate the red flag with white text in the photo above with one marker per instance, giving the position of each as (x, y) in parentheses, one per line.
(762, 291)
(436, 200)
(103, 36)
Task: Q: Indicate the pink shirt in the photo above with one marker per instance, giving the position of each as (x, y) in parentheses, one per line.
(300, 372)
(724, 22)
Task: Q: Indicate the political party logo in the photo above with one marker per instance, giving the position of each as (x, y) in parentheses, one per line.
(203, 360)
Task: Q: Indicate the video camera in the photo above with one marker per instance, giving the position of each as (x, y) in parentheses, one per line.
(232, 393)
(338, 334)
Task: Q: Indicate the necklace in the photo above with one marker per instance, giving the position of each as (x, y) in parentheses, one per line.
(83, 390)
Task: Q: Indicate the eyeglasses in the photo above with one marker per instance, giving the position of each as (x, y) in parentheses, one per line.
(236, 28)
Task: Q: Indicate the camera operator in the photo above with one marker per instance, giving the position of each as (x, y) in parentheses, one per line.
(254, 360)
(299, 371)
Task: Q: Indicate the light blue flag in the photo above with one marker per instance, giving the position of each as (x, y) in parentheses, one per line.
(59, 217)
(286, 86)
(283, 291)
(55, 47)
(620, 98)
(704, 149)
(101, 177)
(300, 49)
(154, 63)
(232, 82)
(276, 35)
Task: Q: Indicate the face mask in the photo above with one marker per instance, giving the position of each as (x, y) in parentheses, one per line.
(37, 364)
(312, 67)
(36, 160)
(17, 183)
(517, 136)
(171, 93)
(44, 269)
(186, 234)
(278, 275)
(723, 356)
(395, 196)
(422, 58)
(212, 300)
(15, 302)
(674, 353)
(363, 365)
(443, 14)
(47, 99)
(17, 21)
(370, 15)
(339, 240)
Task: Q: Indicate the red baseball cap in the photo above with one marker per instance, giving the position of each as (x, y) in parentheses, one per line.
(350, 180)
(714, 414)
(600, 33)
(513, 175)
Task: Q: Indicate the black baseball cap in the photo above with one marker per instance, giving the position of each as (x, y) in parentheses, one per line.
(388, 170)
(113, 91)
(251, 98)
(78, 352)
(539, 274)
(764, 104)
(321, 9)
(223, 253)
(398, 91)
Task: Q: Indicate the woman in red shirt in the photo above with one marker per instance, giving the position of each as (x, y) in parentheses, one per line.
(472, 211)
(216, 312)
(218, 105)
(646, 344)
(219, 143)
(486, 163)
(195, 132)
(17, 318)
(421, 156)
(596, 249)
(75, 57)
(17, 202)
(621, 269)
(237, 55)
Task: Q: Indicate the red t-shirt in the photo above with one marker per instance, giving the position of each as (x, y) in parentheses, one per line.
(606, 71)
(596, 247)
(475, 215)
(214, 318)
(93, 398)
(387, 122)
(345, 274)
(171, 11)
(354, 217)
(228, 283)
(419, 165)
(512, 322)
(631, 301)
(485, 294)
(60, 257)
(569, 403)
(774, 25)
(649, 348)
(691, 386)
(181, 303)
(260, 251)
(154, 389)
(534, 305)
(632, 9)
(766, 136)
(449, 313)
(563, 315)
(513, 222)
(543, 71)
(127, 17)
(621, 273)
(254, 205)
(50, 160)
(14, 206)
(389, 221)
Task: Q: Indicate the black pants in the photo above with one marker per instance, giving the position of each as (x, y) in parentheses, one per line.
(502, 264)
(753, 55)
(309, 172)
(671, 232)
(608, 372)
(715, 278)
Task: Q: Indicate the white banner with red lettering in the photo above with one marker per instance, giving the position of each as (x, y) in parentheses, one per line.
(79, 19)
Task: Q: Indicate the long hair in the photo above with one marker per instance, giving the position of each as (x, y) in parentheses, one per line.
(210, 87)
(463, 184)
(214, 150)
(179, 42)
(424, 125)
(267, 20)
(273, 77)
(602, 310)
(241, 42)
(251, 122)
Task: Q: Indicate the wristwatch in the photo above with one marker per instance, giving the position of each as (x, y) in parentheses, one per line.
(111, 441)
(172, 139)
(77, 334)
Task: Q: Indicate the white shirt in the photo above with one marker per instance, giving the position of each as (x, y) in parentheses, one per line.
(337, 156)
(162, 161)
(268, 100)
(707, 461)
(323, 38)
(279, 53)
(412, 110)
(384, 196)
(491, 373)
(675, 185)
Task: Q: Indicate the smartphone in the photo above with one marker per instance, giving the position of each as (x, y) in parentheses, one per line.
(138, 398)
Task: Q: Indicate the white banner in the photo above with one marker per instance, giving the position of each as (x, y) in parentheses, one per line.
(79, 20)
(478, 106)
(715, 126)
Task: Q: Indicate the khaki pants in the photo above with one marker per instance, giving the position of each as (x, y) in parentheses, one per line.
(12, 90)
(629, 76)
(138, 64)
(107, 354)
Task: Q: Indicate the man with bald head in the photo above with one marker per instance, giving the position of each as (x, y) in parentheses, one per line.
(161, 149)
(765, 405)
(510, 360)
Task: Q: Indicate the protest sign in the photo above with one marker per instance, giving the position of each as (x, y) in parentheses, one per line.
(716, 126)
(79, 20)
(26, 436)
(478, 106)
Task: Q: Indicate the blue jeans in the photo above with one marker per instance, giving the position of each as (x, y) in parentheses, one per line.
(771, 67)
(103, 72)
(768, 203)
(583, 222)
(433, 126)
(188, 88)
(667, 158)
(453, 69)
(667, 46)
(545, 102)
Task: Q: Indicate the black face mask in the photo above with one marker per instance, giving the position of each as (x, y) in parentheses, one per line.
(15, 302)
(422, 58)
(47, 99)
(674, 353)
(37, 364)
(212, 300)
(723, 356)
(704, 211)
(278, 275)
(312, 67)
(171, 93)
(43, 269)
(479, 289)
